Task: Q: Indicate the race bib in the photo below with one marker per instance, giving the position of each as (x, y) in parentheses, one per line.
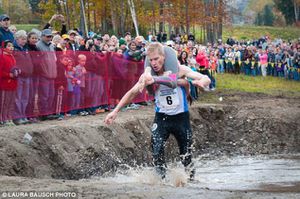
(168, 97)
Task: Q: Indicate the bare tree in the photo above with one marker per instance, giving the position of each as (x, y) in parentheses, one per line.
(296, 9)
(133, 15)
(161, 14)
(187, 16)
(83, 25)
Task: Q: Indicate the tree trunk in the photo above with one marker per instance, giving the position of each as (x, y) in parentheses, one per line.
(113, 15)
(122, 19)
(207, 23)
(67, 14)
(95, 17)
(89, 15)
(74, 14)
(170, 29)
(187, 16)
(161, 14)
(83, 25)
(296, 10)
(103, 20)
(220, 19)
(153, 19)
(133, 15)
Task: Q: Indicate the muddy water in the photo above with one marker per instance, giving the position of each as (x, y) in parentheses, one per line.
(254, 174)
(266, 173)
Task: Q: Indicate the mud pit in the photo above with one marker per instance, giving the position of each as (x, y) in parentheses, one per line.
(77, 153)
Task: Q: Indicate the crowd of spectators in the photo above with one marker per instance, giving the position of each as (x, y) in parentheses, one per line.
(43, 71)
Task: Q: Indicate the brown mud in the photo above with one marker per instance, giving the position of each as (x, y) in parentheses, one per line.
(64, 155)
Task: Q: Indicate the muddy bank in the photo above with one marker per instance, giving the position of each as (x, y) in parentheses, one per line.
(81, 147)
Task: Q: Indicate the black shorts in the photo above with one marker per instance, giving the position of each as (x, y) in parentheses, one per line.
(179, 126)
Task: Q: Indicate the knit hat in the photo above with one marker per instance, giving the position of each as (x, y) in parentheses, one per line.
(122, 42)
(97, 37)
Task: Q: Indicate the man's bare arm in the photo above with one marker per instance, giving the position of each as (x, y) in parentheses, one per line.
(127, 98)
(199, 79)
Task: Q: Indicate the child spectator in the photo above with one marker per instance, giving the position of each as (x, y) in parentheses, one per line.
(79, 86)
(133, 54)
(61, 86)
(8, 83)
(70, 76)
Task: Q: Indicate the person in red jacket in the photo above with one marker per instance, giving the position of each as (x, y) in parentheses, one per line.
(203, 61)
(8, 83)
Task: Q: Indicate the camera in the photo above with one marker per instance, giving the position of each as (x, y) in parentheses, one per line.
(16, 72)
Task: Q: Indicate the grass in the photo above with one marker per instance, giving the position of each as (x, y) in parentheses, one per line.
(268, 85)
(27, 27)
(250, 32)
(232, 84)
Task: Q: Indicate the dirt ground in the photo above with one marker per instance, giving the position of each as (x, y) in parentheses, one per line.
(62, 152)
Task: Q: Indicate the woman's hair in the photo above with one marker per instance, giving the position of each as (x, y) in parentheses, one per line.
(184, 62)
(20, 34)
(12, 27)
(30, 34)
(196, 53)
(56, 39)
(181, 54)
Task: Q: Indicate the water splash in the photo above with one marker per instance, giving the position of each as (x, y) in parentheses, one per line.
(176, 176)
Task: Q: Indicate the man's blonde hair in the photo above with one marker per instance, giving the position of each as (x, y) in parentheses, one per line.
(156, 47)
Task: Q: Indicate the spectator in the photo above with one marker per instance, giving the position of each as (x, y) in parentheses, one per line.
(191, 37)
(97, 40)
(159, 37)
(47, 75)
(201, 60)
(164, 37)
(133, 53)
(230, 41)
(59, 18)
(32, 39)
(61, 86)
(5, 33)
(94, 88)
(70, 84)
(263, 58)
(72, 45)
(183, 58)
(122, 44)
(184, 38)
(56, 41)
(8, 83)
(23, 62)
(127, 37)
(172, 36)
(149, 36)
(13, 29)
(62, 44)
(79, 85)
